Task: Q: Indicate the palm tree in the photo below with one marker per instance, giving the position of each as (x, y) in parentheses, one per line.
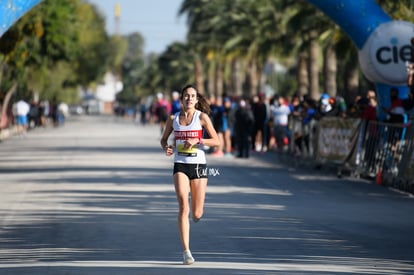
(198, 15)
(257, 38)
(233, 34)
(176, 72)
(307, 24)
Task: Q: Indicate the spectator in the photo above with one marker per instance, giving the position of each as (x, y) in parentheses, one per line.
(408, 104)
(295, 105)
(295, 120)
(302, 140)
(44, 112)
(175, 103)
(369, 113)
(22, 111)
(341, 104)
(372, 98)
(280, 112)
(34, 115)
(217, 113)
(395, 113)
(366, 110)
(62, 113)
(228, 120)
(328, 106)
(143, 109)
(244, 121)
(259, 110)
(162, 110)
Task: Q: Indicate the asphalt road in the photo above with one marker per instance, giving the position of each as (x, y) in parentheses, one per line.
(96, 197)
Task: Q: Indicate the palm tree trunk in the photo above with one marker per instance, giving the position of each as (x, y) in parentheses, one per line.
(199, 75)
(351, 82)
(211, 87)
(219, 79)
(5, 105)
(253, 79)
(330, 69)
(313, 67)
(302, 75)
(236, 79)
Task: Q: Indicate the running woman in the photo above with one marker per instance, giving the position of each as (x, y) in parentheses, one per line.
(190, 166)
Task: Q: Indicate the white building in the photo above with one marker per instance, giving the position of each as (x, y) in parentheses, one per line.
(106, 93)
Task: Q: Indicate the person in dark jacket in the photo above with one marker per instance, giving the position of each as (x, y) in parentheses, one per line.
(244, 121)
(259, 110)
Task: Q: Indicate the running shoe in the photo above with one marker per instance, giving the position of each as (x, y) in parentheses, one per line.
(188, 258)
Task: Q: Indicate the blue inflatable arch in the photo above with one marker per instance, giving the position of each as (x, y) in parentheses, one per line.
(383, 44)
(12, 10)
(358, 19)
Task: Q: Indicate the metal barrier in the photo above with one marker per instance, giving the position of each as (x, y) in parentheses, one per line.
(380, 151)
(302, 136)
(386, 153)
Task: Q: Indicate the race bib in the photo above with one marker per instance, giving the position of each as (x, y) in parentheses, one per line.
(191, 152)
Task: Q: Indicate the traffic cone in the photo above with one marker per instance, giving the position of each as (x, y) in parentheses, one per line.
(378, 178)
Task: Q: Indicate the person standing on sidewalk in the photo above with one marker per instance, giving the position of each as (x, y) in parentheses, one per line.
(243, 126)
(190, 166)
(22, 111)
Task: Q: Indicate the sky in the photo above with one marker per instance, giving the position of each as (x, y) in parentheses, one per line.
(156, 20)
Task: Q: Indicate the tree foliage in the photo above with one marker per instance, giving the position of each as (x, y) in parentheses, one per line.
(53, 48)
(60, 45)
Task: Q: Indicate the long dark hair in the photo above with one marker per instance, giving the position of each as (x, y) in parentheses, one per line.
(202, 103)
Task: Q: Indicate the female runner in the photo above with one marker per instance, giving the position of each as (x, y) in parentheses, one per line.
(190, 166)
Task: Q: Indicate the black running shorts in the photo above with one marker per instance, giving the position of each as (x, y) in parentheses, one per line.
(192, 171)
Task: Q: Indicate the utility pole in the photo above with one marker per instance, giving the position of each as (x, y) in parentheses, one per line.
(117, 13)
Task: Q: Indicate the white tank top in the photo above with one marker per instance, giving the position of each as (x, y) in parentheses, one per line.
(183, 132)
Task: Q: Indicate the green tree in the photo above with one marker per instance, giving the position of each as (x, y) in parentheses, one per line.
(94, 52)
(131, 69)
(47, 55)
(232, 34)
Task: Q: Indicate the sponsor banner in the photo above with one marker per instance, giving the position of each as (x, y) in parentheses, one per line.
(336, 138)
(384, 56)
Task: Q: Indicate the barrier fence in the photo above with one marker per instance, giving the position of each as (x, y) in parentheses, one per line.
(376, 150)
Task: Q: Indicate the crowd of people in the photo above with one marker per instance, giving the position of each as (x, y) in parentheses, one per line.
(25, 116)
(263, 123)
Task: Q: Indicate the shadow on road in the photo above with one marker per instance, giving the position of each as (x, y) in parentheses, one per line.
(109, 208)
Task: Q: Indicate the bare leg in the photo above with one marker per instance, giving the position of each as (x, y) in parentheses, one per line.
(220, 148)
(227, 141)
(198, 195)
(182, 189)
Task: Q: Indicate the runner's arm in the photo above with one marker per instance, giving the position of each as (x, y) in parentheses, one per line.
(167, 132)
